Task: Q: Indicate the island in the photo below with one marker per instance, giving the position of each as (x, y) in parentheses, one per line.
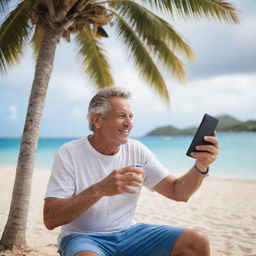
(226, 123)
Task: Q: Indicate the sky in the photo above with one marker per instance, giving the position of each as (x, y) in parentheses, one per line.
(222, 80)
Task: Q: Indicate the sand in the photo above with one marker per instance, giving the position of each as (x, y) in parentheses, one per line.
(224, 209)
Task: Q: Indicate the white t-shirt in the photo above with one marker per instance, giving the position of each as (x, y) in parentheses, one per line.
(78, 165)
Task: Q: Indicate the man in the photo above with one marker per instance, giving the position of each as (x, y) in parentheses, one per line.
(95, 184)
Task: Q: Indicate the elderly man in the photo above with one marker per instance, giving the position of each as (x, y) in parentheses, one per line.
(95, 185)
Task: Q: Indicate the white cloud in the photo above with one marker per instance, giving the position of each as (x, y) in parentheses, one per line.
(231, 94)
(73, 86)
(12, 112)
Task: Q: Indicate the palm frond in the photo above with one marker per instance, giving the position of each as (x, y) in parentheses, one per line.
(141, 56)
(224, 11)
(14, 33)
(37, 39)
(167, 57)
(4, 6)
(94, 60)
(164, 6)
(148, 24)
(217, 9)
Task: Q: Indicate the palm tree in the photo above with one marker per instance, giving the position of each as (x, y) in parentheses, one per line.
(148, 37)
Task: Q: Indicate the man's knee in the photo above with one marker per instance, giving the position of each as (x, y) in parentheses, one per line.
(192, 242)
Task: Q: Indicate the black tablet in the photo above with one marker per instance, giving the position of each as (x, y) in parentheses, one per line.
(206, 128)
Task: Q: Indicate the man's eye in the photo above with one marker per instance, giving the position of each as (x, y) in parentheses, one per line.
(123, 116)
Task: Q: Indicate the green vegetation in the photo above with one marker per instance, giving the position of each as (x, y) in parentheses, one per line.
(226, 124)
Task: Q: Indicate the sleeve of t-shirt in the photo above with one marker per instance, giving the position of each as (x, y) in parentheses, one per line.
(154, 170)
(61, 183)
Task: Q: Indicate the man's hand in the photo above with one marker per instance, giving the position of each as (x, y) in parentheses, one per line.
(117, 181)
(58, 211)
(204, 159)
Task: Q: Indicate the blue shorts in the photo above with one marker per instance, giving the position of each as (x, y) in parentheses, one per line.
(139, 240)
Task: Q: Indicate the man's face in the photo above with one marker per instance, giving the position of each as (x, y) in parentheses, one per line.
(116, 123)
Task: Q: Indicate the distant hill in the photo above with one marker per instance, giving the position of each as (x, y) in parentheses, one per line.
(227, 121)
(226, 124)
(166, 131)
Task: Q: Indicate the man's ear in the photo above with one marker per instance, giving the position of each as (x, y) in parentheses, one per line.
(96, 120)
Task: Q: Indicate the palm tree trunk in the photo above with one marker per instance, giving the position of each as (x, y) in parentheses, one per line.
(14, 234)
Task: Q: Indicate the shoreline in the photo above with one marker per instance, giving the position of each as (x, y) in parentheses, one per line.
(232, 162)
(175, 173)
(222, 208)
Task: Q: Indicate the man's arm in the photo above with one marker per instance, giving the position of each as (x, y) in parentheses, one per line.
(58, 212)
(180, 189)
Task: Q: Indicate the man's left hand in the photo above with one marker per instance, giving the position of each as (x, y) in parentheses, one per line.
(204, 159)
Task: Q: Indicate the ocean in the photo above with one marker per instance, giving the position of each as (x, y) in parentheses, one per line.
(236, 159)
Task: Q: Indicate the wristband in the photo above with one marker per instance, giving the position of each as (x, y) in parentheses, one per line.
(204, 174)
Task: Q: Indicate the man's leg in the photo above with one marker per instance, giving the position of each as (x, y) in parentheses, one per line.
(149, 240)
(82, 245)
(191, 243)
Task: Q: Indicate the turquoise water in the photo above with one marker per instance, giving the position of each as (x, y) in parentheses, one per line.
(236, 158)
(237, 154)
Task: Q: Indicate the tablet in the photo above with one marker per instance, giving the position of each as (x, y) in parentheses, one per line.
(206, 128)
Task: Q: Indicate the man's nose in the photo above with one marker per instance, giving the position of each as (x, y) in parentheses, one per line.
(128, 121)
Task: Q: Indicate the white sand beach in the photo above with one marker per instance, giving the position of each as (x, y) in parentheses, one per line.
(224, 209)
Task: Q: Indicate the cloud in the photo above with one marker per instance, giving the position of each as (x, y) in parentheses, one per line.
(231, 94)
(12, 110)
(221, 48)
(227, 94)
(72, 86)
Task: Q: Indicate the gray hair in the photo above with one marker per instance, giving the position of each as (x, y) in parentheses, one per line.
(99, 102)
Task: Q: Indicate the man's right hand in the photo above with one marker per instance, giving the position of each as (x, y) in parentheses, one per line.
(119, 181)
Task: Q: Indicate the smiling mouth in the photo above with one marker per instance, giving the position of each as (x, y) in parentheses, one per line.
(124, 131)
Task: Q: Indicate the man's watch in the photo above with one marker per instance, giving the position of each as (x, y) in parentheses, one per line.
(206, 173)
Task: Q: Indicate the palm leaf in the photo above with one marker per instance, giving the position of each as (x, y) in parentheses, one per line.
(163, 6)
(168, 58)
(4, 5)
(37, 39)
(217, 9)
(144, 22)
(94, 60)
(14, 33)
(141, 56)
